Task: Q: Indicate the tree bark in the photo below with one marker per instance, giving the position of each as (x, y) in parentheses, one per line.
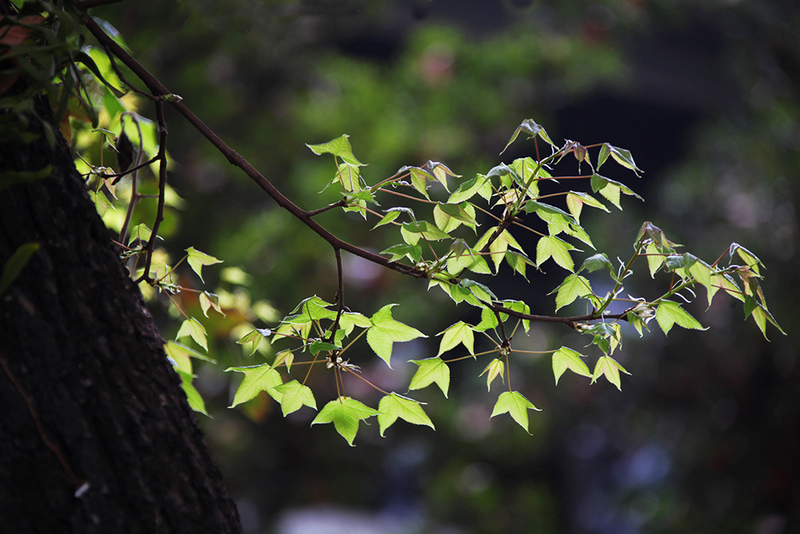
(95, 431)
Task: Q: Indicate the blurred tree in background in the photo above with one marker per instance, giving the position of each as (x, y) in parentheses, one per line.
(707, 97)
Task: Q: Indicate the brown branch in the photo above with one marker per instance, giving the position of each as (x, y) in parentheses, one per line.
(159, 90)
(568, 321)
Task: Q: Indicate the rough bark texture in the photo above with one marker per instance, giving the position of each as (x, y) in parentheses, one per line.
(95, 432)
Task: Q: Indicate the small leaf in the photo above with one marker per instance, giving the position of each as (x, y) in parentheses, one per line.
(388, 218)
(576, 200)
(595, 263)
(393, 406)
(339, 147)
(345, 413)
(620, 155)
(495, 368)
(257, 378)
(566, 358)
(573, 287)
(431, 370)
(460, 332)
(608, 366)
(191, 327)
(209, 301)
(530, 127)
(670, 313)
(516, 405)
(611, 189)
(553, 247)
(196, 402)
(293, 396)
(386, 331)
(197, 260)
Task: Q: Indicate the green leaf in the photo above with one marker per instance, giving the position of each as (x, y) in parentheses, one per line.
(191, 327)
(495, 368)
(318, 346)
(465, 258)
(401, 250)
(180, 355)
(611, 189)
(553, 247)
(431, 370)
(16, 263)
(257, 378)
(517, 306)
(566, 358)
(670, 313)
(530, 127)
(293, 396)
(412, 231)
(573, 287)
(516, 405)
(419, 179)
(518, 262)
(608, 366)
(196, 402)
(460, 332)
(393, 406)
(620, 155)
(448, 217)
(481, 185)
(339, 147)
(386, 331)
(655, 258)
(388, 218)
(748, 257)
(199, 259)
(498, 247)
(595, 263)
(345, 413)
(576, 200)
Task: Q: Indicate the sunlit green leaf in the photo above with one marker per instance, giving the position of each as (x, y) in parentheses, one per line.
(431, 371)
(459, 333)
(345, 414)
(516, 405)
(386, 331)
(595, 263)
(257, 378)
(191, 327)
(577, 199)
(293, 396)
(197, 260)
(610, 368)
(495, 368)
(611, 189)
(339, 147)
(573, 287)
(196, 402)
(393, 406)
(670, 313)
(566, 358)
(388, 218)
(620, 155)
(481, 185)
(532, 129)
(553, 247)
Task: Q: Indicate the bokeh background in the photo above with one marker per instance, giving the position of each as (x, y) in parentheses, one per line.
(705, 435)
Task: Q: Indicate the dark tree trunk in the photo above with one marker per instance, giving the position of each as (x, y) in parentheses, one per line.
(95, 432)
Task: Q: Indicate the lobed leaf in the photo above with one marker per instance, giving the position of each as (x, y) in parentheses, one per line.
(339, 147)
(293, 396)
(345, 413)
(394, 406)
(197, 260)
(670, 313)
(386, 331)
(573, 287)
(610, 368)
(516, 405)
(191, 327)
(257, 378)
(495, 368)
(459, 333)
(566, 358)
(431, 371)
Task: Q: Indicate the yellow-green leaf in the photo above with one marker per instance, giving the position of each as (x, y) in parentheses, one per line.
(191, 327)
(495, 368)
(670, 313)
(386, 331)
(257, 378)
(610, 368)
(293, 396)
(431, 370)
(345, 413)
(566, 358)
(516, 405)
(460, 332)
(393, 406)
(197, 260)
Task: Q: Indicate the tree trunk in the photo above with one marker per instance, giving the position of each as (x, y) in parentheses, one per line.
(95, 432)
